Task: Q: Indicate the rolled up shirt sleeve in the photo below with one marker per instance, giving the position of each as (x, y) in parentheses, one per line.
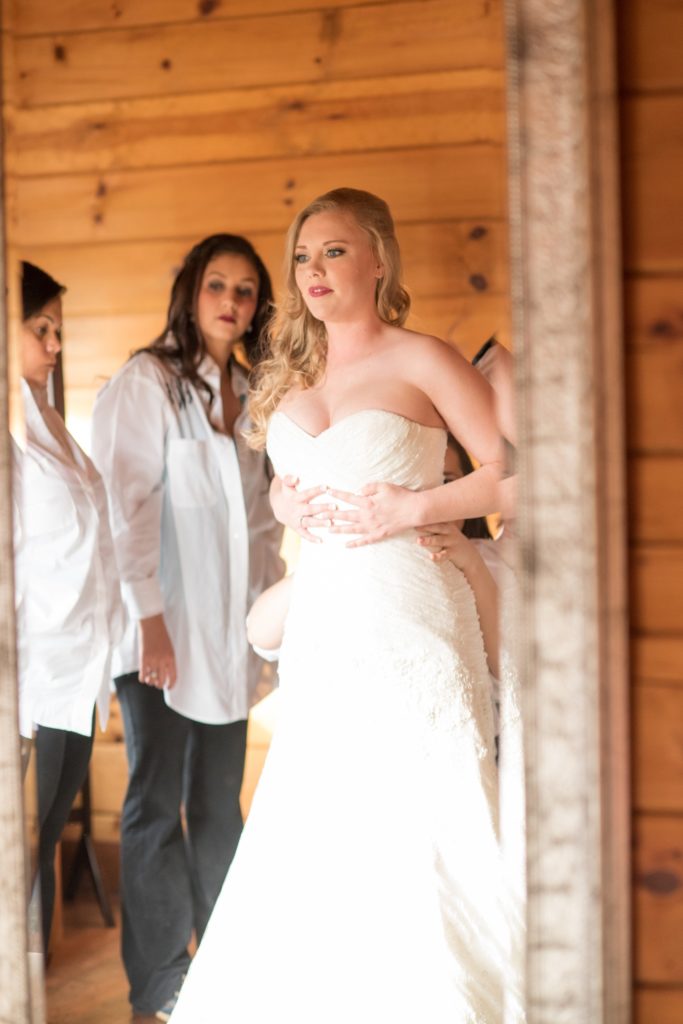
(129, 428)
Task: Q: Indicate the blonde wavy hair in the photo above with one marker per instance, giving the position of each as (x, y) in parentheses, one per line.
(296, 341)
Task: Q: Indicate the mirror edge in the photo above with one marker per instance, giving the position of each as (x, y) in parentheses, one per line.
(15, 985)
(577, 750)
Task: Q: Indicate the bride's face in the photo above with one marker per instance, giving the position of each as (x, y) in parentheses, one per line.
(336, 267)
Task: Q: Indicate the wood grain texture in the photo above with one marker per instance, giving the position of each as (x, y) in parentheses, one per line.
(654, 378)
(563, 188)
(650, 33)
(463, 258)
(658, 881)
(656, 588)
(86, 981)
(653, 310)
(652, 162)
(652, 169)
(657, 659)
(298, 46)
(458, 106)
(38, 17)
(15, 980)
(465, 182)
(655, 495)
(96, 346)
(658, 1005)
(657, 715)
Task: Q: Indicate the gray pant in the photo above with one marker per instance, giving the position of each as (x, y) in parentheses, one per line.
(62, 760)
(170, 877)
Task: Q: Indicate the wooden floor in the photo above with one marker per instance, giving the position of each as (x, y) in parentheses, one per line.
(85, 981)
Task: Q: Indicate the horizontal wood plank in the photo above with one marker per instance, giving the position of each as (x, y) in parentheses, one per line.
(459, 182)
(649, 39)
(108, 777)
(657, 659)
(38, 17)
(405, 37)
(655, 497)
(466, 258)
(652, 169)
(458, 106)
(656, 588)
(653, 310)
(654, 384)
(658, 1006)
(657, 715)
(114, 731)
(658, 882)
(466, 321)
(95, 347)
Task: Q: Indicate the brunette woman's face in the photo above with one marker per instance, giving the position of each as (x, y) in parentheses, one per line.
(336, 267)
(41, 343)
(226, 303)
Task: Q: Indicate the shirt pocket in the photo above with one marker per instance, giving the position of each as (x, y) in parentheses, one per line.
(191, 474)
(48, 507)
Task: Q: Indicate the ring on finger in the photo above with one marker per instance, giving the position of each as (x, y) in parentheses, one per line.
(301, 521)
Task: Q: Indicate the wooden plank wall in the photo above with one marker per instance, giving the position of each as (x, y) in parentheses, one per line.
(134, 128)
(651, 77)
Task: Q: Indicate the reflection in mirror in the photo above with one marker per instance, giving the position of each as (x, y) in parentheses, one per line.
(123, 189)
(69, 613)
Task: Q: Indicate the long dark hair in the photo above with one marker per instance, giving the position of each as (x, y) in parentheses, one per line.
(476, 528)
(37, 289)
(180, 346)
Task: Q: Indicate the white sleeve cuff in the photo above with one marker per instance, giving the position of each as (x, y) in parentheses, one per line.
(143, 598)
(267, 655)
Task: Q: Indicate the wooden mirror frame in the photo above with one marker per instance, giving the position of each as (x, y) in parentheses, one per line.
(566, 299)
(566, 278)
(15, 986)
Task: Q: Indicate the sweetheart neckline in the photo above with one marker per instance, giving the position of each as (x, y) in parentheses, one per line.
(353, 415)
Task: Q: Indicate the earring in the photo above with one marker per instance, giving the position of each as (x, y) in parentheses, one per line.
(249, 329)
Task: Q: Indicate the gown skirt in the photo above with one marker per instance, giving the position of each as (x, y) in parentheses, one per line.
(367, 884)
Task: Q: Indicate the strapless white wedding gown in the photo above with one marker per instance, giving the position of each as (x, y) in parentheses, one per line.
(365, 889)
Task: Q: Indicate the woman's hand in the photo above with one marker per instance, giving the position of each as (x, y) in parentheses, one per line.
(446, 541)
(381, 510)
(295, 509)
(157, 659)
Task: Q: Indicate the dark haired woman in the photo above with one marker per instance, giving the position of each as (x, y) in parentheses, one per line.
(195, 541)
(69, 612)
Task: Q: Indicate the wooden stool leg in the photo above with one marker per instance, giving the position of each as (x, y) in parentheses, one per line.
(57, 931)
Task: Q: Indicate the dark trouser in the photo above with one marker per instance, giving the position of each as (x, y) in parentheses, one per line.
(62, 760)
(170, 880)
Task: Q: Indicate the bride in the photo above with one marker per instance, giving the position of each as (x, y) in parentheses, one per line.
(366, 885)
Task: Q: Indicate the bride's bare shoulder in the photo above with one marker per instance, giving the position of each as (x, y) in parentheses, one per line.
(417, 346)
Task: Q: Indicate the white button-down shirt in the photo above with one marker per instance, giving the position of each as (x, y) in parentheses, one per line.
(194, 534)
(69, 610)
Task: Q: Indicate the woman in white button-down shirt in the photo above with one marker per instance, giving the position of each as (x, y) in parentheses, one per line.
(196, 542)
(69, 611)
